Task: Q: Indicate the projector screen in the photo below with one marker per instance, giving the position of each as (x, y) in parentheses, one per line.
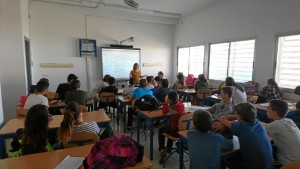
(119, 62)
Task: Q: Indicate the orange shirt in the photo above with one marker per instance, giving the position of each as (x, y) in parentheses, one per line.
(136, 74)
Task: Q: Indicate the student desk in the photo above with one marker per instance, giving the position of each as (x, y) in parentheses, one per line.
(89, 104)
(183, 139)
(187, 93)
(262, 109)
(150, 116)
(50, 160)
(211, 100)
(123, 102)
(9, 129)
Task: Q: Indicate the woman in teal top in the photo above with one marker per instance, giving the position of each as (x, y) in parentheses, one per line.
(34, 139)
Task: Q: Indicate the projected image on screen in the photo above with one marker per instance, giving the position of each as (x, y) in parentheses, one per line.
(118, 62)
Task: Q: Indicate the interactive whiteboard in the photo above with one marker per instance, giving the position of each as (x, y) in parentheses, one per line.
(118, 62)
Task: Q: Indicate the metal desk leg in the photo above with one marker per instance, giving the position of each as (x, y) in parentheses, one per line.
(180, 154)
(151, 139)
(138, 127)
(124, 118)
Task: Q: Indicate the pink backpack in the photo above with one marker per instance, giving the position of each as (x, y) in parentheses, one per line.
(113, 153)
(190, 79)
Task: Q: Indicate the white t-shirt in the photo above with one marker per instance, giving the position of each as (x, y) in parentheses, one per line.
(286, 136)
(100, 84)
(34, 99)
(238, 96)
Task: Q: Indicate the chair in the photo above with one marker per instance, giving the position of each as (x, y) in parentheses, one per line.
(81, 138)
(201, 95)
(21, 112)
(108, 98)
(133, 128)
(184, 123)
(295, 165)
(295, 116)
(51, 95)
(84, 109)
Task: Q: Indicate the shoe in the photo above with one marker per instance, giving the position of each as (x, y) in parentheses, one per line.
(163, 155)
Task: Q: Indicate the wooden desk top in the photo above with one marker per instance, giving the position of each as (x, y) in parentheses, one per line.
(154, 114)
(236, 145)
(291, 108)
(44, 160)
(186, 90)
(52, 159)
(124, 99)
(12, 125)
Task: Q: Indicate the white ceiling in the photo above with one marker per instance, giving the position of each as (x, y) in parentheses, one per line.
(172, 8)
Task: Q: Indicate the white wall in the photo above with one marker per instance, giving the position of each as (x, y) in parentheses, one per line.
(1, 108)
(56, 28)
(12, 59)
(238, 19)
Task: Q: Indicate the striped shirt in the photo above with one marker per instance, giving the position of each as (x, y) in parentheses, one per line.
(86, 127)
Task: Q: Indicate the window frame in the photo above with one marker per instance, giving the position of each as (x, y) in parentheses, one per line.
(277, 36)
(229, 48)
(204, 56)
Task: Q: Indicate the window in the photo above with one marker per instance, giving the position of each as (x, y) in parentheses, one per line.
(288, 60)
(233, 59)
(190, 60)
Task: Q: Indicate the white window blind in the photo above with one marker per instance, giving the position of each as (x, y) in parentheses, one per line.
(233, 59)
(190, 60)
(288, 61)
(196, 60)
(218, 61)
(241, 60)
(183, 60)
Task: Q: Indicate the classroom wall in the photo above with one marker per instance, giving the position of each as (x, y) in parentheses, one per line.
(56, 28)
(12, 55)
(242, 19)
(1, 108)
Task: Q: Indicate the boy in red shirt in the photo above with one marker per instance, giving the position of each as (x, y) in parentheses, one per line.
(174, 106)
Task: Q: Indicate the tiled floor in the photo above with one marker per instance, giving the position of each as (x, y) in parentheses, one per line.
(172, 163)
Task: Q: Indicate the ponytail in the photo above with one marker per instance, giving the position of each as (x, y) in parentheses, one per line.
(66, 127)
(230, 82)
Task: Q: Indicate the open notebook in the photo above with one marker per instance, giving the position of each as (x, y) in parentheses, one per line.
(70, 163)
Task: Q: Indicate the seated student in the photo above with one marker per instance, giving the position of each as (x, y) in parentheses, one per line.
(202, 83)
(210, 144)
(225, 107)
(74, 123)
(163, 91)
(34, 138)
(76, 94)
(128, 91)
(179, 84)
(149, 82)
(137, 93)
(269, 92)
(64, 87)
(33, 87)
(109, 89)
(172, 105)
(160, 74)
(284, 131)
(239, 95)
(255, 146)
(156, 82)
(297, 92)
(38, 97)
(99, 85)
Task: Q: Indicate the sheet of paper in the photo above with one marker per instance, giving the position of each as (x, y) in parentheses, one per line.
(264, 104)
(195, 108)
(70, 163)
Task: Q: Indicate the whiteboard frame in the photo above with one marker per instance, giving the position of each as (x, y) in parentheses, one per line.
(101, 60)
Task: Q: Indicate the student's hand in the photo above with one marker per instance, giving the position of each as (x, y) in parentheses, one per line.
(217, 126)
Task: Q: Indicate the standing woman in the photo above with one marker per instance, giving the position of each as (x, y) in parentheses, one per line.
(34, 139)
(136, 73)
